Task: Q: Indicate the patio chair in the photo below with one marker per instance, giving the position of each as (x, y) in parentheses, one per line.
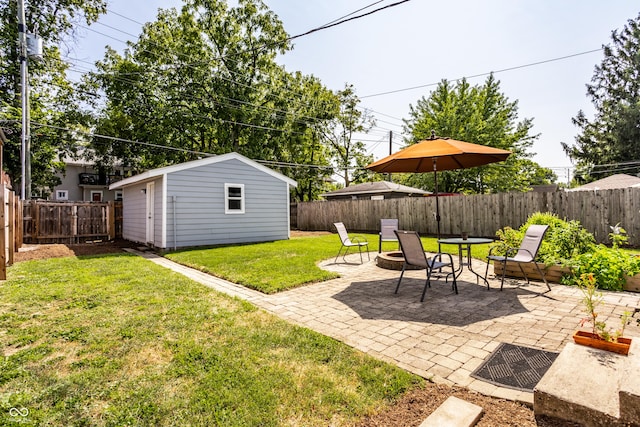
(414, 255)
(350, 242)
(525, 254)
(387, 232)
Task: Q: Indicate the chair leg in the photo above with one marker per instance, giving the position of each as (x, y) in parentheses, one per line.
(486, 273)
(400, 280)
(455, 284)
(360, 251)
(542, 275)
(344, 255)
(427, 284)
(523, 273)
(339, 250)
(504, 273)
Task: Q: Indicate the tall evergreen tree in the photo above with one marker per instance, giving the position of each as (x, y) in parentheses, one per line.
(611, 141)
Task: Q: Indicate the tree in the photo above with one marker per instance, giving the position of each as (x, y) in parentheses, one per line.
(203, 80)
(347, 152)
(52, 105)
(481, 115)
(612, 138)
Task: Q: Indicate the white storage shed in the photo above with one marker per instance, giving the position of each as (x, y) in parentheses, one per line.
(216, 200)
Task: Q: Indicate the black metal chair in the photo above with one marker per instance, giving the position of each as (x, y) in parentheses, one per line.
(525, 254)
(414, 255)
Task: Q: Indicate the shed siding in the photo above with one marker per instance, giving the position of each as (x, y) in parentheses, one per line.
(159, 213)
(134, 213)
(199, 206)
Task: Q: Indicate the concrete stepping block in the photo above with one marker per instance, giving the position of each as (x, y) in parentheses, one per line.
(454, 412)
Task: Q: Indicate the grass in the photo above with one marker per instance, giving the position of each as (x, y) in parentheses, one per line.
(117, 340)
(276, 266)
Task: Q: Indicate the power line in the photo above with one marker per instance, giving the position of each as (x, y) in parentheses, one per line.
(355, 11)
(531, 64)
(324, 27)
(200, 153)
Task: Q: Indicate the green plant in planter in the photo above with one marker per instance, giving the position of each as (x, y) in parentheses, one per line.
(592, 298)
(618, 236)
(563, 240)
(607, 265)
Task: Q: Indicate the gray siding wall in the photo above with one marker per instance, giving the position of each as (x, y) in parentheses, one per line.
(200, 211)
(134, 221)
(71, 182)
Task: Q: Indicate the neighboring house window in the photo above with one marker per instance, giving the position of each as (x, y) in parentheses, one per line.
(118, 196)
(62, 194)
(234, 198)
(96, 196)
(377, 197)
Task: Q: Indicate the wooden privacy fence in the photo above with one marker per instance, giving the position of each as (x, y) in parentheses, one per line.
(481, 215)
(71, 222)
(11, 235)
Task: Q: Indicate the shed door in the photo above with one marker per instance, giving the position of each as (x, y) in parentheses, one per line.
(150, 213)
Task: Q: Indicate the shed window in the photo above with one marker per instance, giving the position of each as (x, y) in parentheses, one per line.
(234, 198)
(62, 195)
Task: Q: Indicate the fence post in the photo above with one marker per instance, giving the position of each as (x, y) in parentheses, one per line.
(3, 235)
(111, 220)
(12, 226)
(19, 224)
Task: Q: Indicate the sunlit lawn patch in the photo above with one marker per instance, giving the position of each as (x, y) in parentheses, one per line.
(275, 266)
(117, 340)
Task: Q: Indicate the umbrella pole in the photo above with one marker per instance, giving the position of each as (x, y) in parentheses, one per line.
(435, 179)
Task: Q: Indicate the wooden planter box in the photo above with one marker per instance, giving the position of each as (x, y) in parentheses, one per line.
(591, 340)
(632, 283)
(552, 273)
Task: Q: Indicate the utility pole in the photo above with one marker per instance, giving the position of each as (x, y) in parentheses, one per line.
(390, 149)
(25, 153)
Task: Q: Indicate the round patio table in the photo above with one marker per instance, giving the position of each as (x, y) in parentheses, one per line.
(464, 245)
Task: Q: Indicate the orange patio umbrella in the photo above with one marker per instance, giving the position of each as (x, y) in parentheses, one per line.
(438, 154)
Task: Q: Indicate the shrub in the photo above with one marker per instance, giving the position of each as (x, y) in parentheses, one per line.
(563, 241)
(607, 265)
(569, 244)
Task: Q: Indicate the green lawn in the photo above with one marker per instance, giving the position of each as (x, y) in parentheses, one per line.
(276, 266)
(117, 340)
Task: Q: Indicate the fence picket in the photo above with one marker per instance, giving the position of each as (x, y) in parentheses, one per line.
(70, 222)
(481, 215)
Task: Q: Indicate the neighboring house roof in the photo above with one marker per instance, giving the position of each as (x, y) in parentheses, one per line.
(378, 187)
(612, 182)
(197, 163)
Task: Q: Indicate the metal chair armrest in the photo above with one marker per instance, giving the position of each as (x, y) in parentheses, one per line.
(359, 240)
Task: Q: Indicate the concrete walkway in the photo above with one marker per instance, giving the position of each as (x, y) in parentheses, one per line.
(446, 337)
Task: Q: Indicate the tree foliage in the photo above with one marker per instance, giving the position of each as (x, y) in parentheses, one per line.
(348, 153)
(53, 106)
(481, 115)
(613, 136)
(204, 80)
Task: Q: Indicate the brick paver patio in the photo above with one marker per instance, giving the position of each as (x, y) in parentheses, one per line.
(443, 339)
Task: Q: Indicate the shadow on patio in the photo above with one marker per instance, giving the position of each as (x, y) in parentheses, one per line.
(375, 299)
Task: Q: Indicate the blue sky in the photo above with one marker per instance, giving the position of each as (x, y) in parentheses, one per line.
(421, 42)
